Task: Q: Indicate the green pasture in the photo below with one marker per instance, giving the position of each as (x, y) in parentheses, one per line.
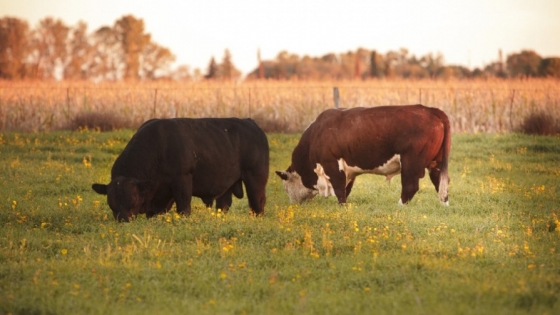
(494, 250)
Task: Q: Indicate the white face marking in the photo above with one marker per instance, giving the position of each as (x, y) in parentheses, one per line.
(324, 185)
(295, 189)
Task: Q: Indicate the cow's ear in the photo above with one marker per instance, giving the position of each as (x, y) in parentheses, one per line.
(282, 175)
(100, 188)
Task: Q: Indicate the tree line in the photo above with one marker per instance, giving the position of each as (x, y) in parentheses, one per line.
(54, 50)
(363, 64)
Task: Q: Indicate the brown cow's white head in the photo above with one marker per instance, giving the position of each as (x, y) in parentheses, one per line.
(125, 196)
(293, 185)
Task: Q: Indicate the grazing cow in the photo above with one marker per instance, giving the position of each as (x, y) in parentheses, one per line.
(171, 160)
(387, 140)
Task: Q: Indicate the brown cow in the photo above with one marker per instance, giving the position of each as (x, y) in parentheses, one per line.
(386, 140)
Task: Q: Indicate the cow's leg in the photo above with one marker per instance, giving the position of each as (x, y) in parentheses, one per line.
(181, 188)
(410, 177)
(159, 207)
(337, 179)
(255, 185)
(435, 176)
(224, 201)
(409, 188)
(349, 187)
(208, 202)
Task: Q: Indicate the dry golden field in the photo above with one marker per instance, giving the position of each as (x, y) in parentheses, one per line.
(472, 105)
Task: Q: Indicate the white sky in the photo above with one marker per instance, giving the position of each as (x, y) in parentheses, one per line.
(468, 32)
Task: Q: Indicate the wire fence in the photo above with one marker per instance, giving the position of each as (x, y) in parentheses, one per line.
(277, 107)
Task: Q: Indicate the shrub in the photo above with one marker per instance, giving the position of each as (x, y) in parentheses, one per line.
(540, 123)
(112, 121)
(101, 121)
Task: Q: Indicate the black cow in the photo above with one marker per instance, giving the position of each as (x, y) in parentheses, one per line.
(386, 140)
(171, 160)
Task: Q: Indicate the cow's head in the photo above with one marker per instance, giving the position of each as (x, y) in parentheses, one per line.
(125, 196)
(293, 185)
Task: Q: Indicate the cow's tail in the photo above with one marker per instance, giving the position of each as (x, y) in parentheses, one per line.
(446, 149)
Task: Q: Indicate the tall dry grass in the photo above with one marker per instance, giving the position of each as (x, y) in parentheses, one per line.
(473, 106)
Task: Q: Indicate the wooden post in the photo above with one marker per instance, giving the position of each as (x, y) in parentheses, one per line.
(511, 110)
(336, 96)
(249, 104)
(155, 104)
(68, 102)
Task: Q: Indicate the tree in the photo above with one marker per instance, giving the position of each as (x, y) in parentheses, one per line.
(182, 73)
(495, 69)
(49, 43)
(361, 63)
(374, 62)
(390, 58)
(550, 67)
(155, 61)
(125, 51)
(106, 61)
(80, 54)
(285, 66)
(227, 69)
(341, 66)
(478, 73)
(306, 69)
(525, 64)
(212, 72)
(402, 58)
(432, 63)
(14, 48)
(129, 31)
(54, 50)
(260, 73)
(448, 72)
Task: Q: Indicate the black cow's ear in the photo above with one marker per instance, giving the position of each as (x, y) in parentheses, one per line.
(282, 175)
(100, 188)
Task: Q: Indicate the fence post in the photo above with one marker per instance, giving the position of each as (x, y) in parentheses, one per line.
(419, 96)
(336, 96)
(68, 103)
(249, 104)
(155, 104)
(511, 110)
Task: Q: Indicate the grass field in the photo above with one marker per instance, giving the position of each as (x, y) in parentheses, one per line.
(495, 250)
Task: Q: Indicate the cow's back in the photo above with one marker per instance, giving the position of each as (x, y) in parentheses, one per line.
(246, 137)
(242, 139)
(160, 144)
(347, 132)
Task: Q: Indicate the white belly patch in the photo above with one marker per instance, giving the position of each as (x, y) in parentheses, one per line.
(324, 187)
(389, 169)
